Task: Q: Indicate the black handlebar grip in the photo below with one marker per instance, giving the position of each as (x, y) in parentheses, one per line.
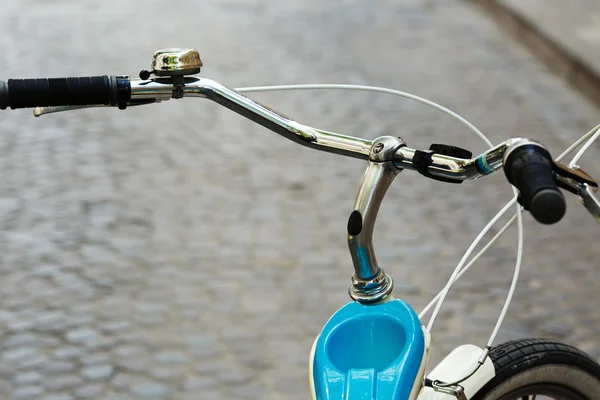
(529, 169)
(89, 90)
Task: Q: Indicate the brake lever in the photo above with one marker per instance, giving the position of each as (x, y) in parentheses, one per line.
(578, 182)
(589, 200)
(572, 177)
(39, 111)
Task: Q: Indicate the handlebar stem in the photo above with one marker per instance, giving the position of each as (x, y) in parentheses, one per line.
(370, 283)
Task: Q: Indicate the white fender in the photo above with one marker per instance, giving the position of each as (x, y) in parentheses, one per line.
(459, 363)
(421, 374)
(311, 361)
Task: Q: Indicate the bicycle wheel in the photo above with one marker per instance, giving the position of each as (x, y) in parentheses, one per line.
(539, 369)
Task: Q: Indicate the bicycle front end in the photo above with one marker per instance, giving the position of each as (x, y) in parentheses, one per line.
(376, 346)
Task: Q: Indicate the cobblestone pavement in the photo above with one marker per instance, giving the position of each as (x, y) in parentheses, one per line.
(179, 251)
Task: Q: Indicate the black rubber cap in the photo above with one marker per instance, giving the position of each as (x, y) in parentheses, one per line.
(3, 95)
(548, 206)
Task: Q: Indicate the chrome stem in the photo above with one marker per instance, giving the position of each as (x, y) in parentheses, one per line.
(376, 180)
(370, 283)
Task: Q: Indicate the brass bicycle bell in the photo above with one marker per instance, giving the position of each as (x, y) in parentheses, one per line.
(174, 62)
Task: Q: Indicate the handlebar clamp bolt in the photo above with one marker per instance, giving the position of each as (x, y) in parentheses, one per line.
(384, 148)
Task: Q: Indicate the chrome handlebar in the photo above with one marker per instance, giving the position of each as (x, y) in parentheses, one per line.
(458, 169)
(454, 168)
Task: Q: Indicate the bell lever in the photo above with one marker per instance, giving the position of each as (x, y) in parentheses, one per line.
(39, 111)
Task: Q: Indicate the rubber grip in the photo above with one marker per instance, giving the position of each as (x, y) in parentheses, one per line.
(529, 169)
(89, 90)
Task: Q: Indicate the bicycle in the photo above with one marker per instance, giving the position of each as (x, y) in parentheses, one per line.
(376, 346)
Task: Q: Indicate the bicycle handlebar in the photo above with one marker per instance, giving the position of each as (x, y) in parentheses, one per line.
(527, 167)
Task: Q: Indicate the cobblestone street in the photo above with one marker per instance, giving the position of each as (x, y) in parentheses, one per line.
(180, 251)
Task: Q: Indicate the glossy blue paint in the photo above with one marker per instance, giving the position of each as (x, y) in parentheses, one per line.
(368, 352)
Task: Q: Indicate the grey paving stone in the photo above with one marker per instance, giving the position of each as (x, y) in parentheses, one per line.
(166, 372)
(46, 271)
(129, 351)
(116, 326)
(27, 378)
(556, 329)
(58, 367)
(170, 357)
(90, 391)
(193, 383)
(234, 377)
(206, 394)
(27, 392)
(33, 362)
(5, 386)
(23, 339)
(54, 320)
(67, 353)
(209, 367)
(7, 370)
(19, 354)
(58, 396)
(149, 389)
(83, 335)
(134, 364)
(250, 391)
(122, 380)
(119, 396)
(99, 372)
(95, 358)
(61, 382)
(20, 325)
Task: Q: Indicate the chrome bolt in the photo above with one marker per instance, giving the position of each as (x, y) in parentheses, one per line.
(377, 148)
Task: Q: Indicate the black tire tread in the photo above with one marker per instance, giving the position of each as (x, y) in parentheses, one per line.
(516, 356)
